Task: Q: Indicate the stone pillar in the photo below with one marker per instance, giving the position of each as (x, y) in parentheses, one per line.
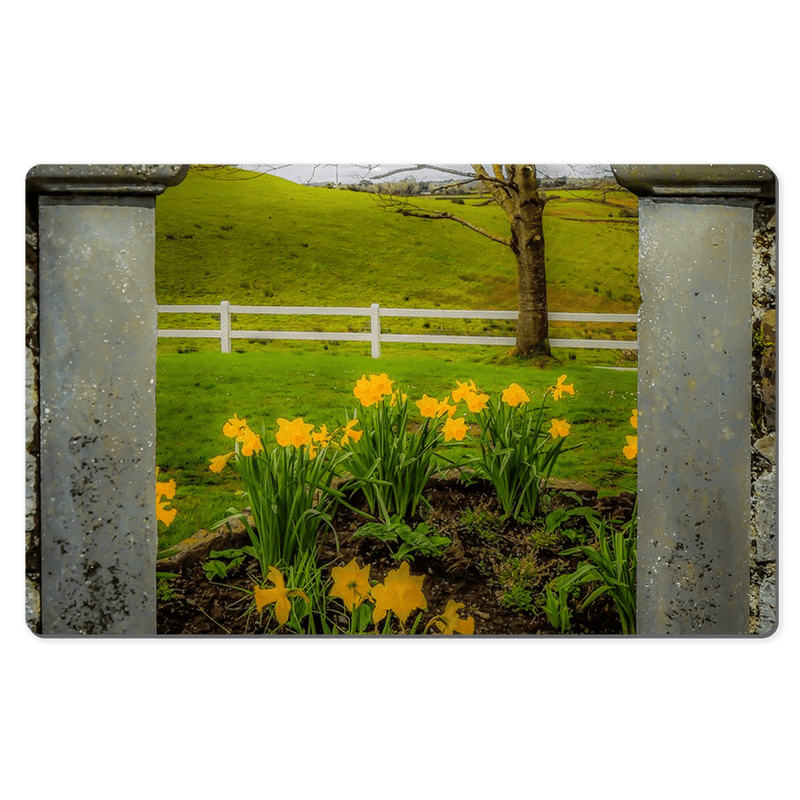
(97, 410)
(694, 479)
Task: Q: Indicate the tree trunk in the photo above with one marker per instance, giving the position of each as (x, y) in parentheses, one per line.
(527, 244)
(532, 325)
(515, 189)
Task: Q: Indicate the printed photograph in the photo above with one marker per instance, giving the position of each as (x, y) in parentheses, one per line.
(401, 400)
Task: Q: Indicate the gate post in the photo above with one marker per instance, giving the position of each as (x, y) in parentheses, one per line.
(96, 392)
(694, 393)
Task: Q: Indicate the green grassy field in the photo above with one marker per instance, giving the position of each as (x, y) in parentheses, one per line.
(265, 241)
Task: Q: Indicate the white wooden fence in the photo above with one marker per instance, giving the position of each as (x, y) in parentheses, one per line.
(226, 333)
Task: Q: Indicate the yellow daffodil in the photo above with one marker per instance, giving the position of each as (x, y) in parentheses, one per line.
(166, 515)
(234, 427)
(428, 406)
(295, 433)
(514, 395)
(351, 584)
(450, 622)
(322, 437)
(559, 427)
(218, 462)
(382, 383)
(463, 390)
(632, 447)
(367, 392)
(455, 429)
(165, 489)
(278, 594)
(251, 442)
(446, 408)
(349, 433)
(475, 402)
(561, 388)
(634, 420)
(401, 593)
(372, 390)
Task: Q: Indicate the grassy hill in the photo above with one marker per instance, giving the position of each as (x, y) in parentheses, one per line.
(262, 240)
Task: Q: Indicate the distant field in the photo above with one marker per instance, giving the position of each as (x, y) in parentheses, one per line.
(266, 241)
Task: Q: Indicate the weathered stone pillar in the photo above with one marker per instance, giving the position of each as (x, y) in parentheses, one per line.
(97, 408)
(694, 481)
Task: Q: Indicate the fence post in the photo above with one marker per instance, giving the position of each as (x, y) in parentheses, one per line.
(225, 326)
(375, 329)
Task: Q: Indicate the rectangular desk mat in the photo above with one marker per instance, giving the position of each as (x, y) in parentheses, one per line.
(406, 400)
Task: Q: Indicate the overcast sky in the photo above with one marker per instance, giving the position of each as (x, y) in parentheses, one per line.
(352, 173)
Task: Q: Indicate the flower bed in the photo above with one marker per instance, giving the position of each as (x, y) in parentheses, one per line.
(488, 561)
(354, 533)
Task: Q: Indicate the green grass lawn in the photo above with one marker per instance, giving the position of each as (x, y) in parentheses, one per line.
(262, 240)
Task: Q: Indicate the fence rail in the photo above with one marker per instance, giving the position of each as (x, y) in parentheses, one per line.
(225, 334)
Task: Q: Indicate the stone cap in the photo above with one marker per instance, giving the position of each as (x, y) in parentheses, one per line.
(116, 179)
(696, 180)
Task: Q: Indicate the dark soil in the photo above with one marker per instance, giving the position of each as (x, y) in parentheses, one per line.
(497, 568)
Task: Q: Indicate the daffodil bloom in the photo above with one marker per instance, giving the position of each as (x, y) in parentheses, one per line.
(455, 429)
(450, 622)
(218, 462)
(233, 427)
(559, 427)
(514, 395)
(251, 442)
(165, 489)
(279, 595)
(634, 420)
(561, 388)
(349, 433)
(428, 406)
(322, 437)
(401, 593)
(475, 402)
(463, 390)
(446, 408)
(351, 584)
(367, 391)
(382, 382)
(402, 397)
(166, 515)
(295, 433)
(371, 391)
(632, 447)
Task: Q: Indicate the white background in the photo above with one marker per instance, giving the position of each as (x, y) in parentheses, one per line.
(351, 82)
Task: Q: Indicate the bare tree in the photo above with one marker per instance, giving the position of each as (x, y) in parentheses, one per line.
(515, 188)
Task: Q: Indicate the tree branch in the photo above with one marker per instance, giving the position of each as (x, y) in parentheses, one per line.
(419, 167)
(408, 210)
(498, 187)
(473, 179)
